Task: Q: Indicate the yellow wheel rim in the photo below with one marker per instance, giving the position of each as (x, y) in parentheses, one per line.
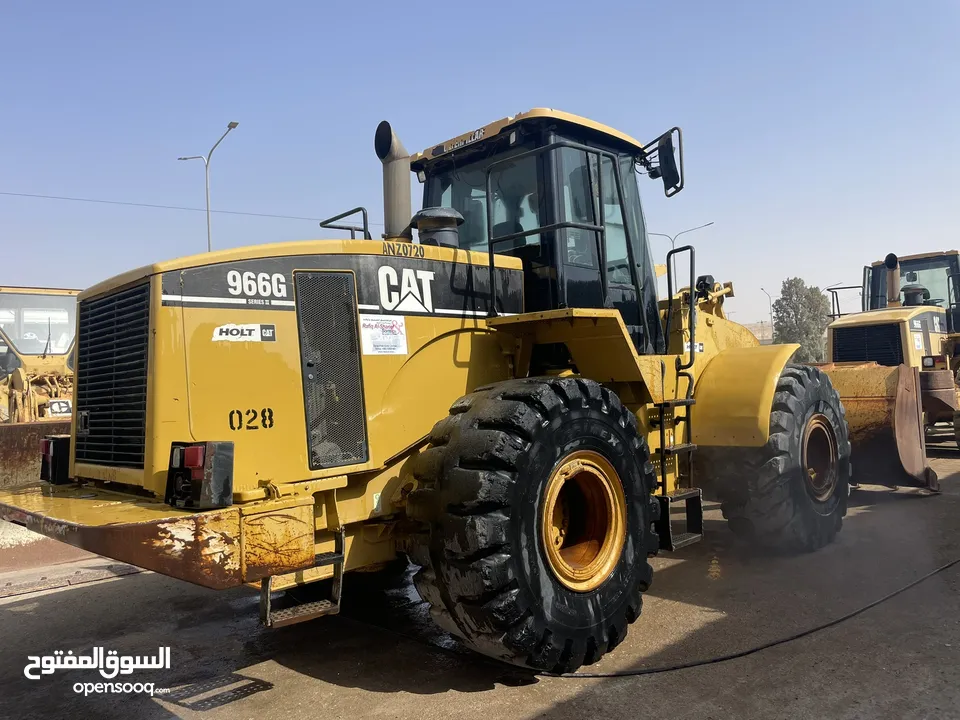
(819, 458)
(583, 521)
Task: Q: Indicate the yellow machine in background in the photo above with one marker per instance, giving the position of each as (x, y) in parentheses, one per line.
(506, 401)
(894, 365)
(37, 327)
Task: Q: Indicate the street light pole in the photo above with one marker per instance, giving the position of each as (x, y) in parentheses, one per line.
(673, 239)
(770, 301)
(206, 174)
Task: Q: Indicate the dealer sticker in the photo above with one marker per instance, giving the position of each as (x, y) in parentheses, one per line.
(383, 334)
(247, 332)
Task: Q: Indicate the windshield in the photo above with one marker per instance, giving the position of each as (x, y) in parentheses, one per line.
(516, 203)
(930, 273)
(38, 324)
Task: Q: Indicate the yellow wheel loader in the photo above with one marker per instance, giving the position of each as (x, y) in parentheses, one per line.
(894, 365)
(37, 328)
(505, 400)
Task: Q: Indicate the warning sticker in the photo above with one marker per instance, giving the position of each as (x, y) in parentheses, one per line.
(383, 334)
(918, 341)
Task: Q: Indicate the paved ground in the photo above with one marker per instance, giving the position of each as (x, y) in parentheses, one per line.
(22, 549)
(901, 659)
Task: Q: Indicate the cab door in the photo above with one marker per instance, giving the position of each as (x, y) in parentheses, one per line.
(597, 268)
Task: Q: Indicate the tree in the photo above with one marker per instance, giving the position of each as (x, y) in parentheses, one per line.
(801, 315)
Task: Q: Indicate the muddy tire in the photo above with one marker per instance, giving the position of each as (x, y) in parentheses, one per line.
(536, 497)
(791, 494)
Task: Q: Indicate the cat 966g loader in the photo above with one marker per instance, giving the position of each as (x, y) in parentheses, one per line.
(505, 400)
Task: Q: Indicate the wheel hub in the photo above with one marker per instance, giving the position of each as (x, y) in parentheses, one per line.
(583, 520)
(819, 458)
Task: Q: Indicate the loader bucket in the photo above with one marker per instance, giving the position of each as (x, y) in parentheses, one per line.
(20, 450)
(885, 419)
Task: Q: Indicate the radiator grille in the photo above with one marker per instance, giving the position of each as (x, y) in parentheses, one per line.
(111, 395)
(878, 343)
(330, 355)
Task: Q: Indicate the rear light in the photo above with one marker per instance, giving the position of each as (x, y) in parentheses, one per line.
(193, 456)
(934, 362)
(200, 475)
(55, 459)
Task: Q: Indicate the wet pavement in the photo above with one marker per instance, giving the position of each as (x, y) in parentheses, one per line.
(21, 549)
(382, 658)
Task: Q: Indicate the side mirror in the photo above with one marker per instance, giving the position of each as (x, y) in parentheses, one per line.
(663, 159)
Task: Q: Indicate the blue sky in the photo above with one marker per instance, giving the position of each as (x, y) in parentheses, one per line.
(819, 136)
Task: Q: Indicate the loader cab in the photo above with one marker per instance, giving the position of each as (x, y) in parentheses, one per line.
(37, 327)
(929, 279)
(560, 193)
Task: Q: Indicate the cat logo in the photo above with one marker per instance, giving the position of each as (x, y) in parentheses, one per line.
(411, 292)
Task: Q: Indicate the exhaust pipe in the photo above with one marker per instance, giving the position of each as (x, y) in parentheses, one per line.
(892, 264)
(396, 182)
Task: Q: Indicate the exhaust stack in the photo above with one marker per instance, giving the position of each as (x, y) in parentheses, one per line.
(396, 182)
(892, 264)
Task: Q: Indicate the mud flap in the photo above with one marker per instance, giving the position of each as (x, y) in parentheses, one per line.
(885, 417)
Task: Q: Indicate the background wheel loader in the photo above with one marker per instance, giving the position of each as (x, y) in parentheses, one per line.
(505, 400)
(37, 328)
(895, 365)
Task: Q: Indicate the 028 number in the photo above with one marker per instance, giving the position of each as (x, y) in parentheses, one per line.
(251, 419)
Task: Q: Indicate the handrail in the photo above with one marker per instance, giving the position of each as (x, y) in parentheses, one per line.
(329, 223)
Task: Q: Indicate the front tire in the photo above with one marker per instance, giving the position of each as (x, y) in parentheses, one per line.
(791, 494)
(537, 497)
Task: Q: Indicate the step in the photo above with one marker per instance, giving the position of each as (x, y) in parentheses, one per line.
(683, 539)
(693, 507)
(655, 420)
(676, 402)
(301, 613)
(672, 450)
(683, 494)
(307, 611)
(328, 558)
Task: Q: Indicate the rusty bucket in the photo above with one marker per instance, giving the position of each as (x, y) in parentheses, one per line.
(885, 418)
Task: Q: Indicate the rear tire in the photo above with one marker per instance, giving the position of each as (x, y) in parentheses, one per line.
(791, 494)
(487, 572)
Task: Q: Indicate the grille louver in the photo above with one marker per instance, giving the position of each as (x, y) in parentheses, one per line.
(112, 337)
(330, 352)
(878, 343)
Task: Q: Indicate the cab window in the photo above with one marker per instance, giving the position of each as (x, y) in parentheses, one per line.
(516, 200)
(581, 203)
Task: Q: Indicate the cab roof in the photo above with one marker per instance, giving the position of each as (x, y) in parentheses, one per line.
(536, 114)
(878, 316)
(920, 256)
(28, 290)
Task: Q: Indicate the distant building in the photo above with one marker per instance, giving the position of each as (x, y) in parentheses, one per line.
(762, 331)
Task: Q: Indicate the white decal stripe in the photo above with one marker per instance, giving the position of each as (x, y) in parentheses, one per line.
(291, 303)
(442, 311)
(228, 300)
(197, 299)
